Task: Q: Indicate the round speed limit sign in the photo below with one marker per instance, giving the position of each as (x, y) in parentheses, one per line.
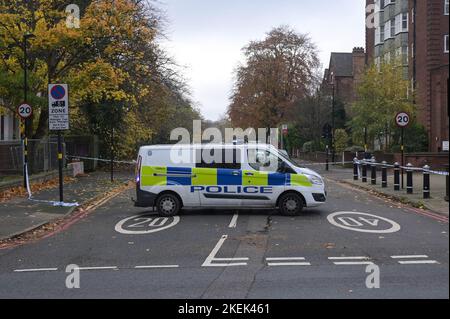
(402, 119)
(24, 111)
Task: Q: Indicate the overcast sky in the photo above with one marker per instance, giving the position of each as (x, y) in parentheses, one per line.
(206, 37)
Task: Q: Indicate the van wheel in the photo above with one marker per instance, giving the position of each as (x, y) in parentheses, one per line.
(290, 204)
(168, 205)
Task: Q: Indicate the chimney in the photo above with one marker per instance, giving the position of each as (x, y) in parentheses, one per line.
(358, 63)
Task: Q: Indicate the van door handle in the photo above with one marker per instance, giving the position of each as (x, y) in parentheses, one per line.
(236, 173)
(249, 174)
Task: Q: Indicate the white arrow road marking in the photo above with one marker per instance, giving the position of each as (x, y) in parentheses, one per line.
(233, 222)
(212, 257)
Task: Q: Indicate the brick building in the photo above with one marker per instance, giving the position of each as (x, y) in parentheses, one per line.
(344, 73)
(429, 68)
(417, 31)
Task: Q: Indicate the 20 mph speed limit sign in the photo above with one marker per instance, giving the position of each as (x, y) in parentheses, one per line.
(402, 119)
(24, 111)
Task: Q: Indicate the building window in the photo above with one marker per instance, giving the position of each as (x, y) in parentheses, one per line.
(446, 43)
(446, 7)
(405, 22)
(387, 30)
(392, 28)
(401, 23)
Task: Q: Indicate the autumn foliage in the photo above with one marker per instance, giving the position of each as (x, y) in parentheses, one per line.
(116, 70)
(279, 71)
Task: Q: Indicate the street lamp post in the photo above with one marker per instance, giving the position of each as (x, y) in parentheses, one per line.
(333, 154)
(25, 95)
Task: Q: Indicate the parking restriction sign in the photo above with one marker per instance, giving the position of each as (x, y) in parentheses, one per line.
(58, 107)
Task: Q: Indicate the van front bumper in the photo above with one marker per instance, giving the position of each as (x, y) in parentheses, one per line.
(144, 199)
(321, 198)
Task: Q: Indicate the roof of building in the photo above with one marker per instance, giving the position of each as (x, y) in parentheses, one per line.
(341, 64)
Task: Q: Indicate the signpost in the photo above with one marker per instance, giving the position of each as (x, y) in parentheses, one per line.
(328, 135)
(25, 111)
(284, 131)
(403, 120)
(58, 118)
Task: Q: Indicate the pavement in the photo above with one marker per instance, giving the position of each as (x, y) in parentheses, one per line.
(120, 251)
(435, 204)
(19, 215)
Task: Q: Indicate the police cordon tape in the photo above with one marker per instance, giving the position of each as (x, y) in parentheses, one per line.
(100, 159)
(134, 161)
(408, 168)
(53, 203)
(330, 163)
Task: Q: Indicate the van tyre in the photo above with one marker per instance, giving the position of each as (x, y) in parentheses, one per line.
(168, 205)
(290, 204)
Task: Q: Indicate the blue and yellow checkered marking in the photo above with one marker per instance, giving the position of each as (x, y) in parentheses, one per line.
(186, 176)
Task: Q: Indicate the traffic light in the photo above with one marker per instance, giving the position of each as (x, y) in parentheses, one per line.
(327, 131)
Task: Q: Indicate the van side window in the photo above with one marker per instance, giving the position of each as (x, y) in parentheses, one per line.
(266, 161)
(218, 158)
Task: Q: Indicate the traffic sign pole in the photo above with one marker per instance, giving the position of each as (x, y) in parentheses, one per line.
(403, 120)
(403, 157)
(59, 120)
(60, 168)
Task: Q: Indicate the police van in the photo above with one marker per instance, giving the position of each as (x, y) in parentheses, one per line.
(172, 177)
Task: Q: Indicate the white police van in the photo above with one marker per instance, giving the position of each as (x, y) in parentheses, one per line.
(170, 177)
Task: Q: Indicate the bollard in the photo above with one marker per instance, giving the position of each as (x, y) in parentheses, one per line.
(409, 179)
(384, 183)
(355, 169)
(373, 166)
(364, 172)
(397, 176)
(327, 165)
(426, 182)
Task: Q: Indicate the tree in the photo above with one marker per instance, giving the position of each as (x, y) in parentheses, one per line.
(382, 94)
(340, 140)
(279, 71)
(112, 63)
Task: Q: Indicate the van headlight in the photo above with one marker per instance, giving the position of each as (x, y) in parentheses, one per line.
(315, 179)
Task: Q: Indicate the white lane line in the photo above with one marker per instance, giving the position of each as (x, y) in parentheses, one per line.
(351, 263)
(157, 266)
(288, 264)
(97, 268)
(285, 258)
(418, 262)
(409, 257)
(231, 259)
(233, 222)
(35, 269)
(349, 258)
